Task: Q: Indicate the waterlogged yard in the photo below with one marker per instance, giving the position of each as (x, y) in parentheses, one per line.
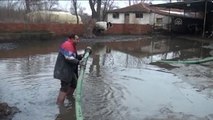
(122, 80)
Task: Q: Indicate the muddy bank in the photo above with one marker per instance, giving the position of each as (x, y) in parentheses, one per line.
(20, 36)
(7, 112)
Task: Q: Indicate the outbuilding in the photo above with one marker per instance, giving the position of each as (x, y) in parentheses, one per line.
(52, 17)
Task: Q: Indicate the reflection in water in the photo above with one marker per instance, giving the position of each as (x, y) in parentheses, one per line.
(96, 64)
(7, 46)
(139, 54)
(146, 51)
(100, 52)
(28, 84)
(117, 84)
(67, 111)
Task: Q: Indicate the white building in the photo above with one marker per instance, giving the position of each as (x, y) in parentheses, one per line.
(141, 13)
(53, 17)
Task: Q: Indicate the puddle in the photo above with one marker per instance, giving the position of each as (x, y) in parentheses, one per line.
(120, 82)
(8, 46)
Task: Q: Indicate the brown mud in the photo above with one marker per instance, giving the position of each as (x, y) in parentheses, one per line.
(7, 112)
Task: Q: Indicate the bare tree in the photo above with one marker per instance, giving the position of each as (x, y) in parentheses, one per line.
(95, 16)
(32, 5)
(99, 13)
(51, 4)
(81, 10)
(99, 9)
(139, 1)
(107, 5)
(11, 11)
(95, 12)
(74, 2)
(27, 3)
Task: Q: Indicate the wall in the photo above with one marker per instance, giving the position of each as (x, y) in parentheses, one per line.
(132, 20)
(119, 20)
(64, 29)
(148, 19)
(165, 21)
(144, 20)
(58, 29)
(152, 18)
(132, 29)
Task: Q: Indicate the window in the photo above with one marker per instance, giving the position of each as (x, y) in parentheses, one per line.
(126, 14)
(115, 15)
(159, 20)
(139, 15)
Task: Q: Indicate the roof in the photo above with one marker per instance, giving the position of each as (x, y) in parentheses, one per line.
(193, 5)
(147, 8)
(141, 7)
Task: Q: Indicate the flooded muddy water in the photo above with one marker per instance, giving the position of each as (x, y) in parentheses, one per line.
(120, 82)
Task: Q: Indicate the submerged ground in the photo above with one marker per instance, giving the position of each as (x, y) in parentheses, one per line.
(123, 79)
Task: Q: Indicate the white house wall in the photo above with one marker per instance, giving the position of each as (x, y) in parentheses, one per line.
(144, 20)
(148, 18)
(132, 19)
(152, 18)
(119, 20)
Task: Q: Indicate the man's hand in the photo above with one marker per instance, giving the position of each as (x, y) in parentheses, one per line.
(82, 63)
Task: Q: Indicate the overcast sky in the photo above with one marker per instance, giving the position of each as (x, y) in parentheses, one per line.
(65, 5)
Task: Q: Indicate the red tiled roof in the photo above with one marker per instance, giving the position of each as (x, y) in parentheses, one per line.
(141, 7)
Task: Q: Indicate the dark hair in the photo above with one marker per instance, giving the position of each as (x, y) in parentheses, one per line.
(72, 36)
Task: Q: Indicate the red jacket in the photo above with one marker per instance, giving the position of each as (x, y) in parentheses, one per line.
(65, 68)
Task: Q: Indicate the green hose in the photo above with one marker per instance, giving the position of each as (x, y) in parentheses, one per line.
(78, 110)
(208, 59)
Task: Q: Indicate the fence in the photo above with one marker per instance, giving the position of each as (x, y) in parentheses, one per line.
(63, 29)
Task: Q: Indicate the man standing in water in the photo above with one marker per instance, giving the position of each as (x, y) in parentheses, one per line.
(66, 67)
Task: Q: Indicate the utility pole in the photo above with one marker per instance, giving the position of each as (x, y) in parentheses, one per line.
(204, 19)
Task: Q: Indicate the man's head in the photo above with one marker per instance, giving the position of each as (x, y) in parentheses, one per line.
(74, 37)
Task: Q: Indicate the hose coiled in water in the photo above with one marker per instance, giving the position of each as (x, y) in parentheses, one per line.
(208, 59)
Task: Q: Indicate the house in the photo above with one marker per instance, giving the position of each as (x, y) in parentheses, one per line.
(141, 13)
